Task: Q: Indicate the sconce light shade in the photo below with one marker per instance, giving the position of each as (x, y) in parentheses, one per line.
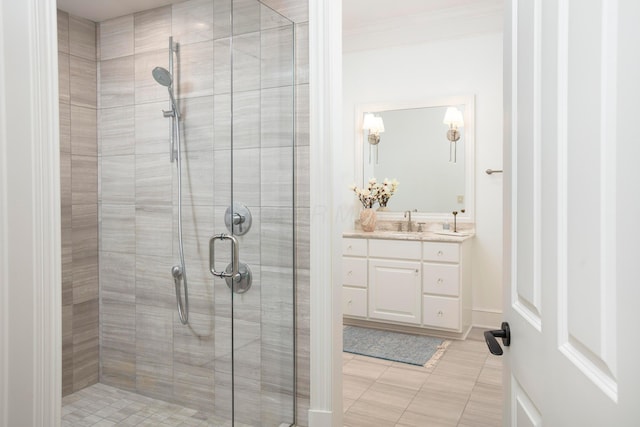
(367, 123)
(378, 125)
(453, 117)
(372, 123)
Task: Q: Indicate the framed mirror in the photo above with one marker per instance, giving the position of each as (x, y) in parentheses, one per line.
(414, 146)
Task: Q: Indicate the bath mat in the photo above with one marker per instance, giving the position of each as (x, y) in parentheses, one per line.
(395, 346)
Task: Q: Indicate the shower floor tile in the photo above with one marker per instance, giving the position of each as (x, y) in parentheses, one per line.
(102, 405)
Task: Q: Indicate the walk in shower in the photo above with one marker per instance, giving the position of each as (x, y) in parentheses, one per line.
(186, 290)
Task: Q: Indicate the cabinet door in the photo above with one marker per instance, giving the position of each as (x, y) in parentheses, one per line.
(354, 271)
(354, 302)
(441, 279)
(394, 290)
(441, 312)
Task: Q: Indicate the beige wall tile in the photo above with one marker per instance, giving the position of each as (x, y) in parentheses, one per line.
(246, 16)
(302, 53)
(117, 228)
(295, 10)
(153, 230)
(153, 180)
(117, 82)
(82, 86)
(152, 29)
(65, 128)
(82, 38)
(117, 180)
(63, 77)
(196, 70)
(84, 179)
(116, 37)
(63, 31)
(117, 131)
(152, 130)
(277, 117)
(277, 65)
(84, 138)
(146, 88)
(192, 21)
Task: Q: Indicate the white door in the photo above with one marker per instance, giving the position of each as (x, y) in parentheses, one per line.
(572, 186)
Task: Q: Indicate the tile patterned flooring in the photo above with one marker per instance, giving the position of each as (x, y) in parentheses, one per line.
(101, 405)
(463, 389)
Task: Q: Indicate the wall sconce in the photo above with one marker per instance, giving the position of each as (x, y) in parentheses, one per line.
(453, 118)
(375, 126)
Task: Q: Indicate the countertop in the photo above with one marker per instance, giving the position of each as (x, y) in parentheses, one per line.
(425, 236)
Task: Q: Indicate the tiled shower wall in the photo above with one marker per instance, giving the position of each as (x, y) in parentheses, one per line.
(143, 345)
(168, 361)
(79, 186)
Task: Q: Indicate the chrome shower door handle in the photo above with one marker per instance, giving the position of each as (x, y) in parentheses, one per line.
(235, 255)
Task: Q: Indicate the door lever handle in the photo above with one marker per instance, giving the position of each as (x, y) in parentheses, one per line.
(492, 343)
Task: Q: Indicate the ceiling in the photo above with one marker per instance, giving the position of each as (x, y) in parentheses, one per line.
(368, 24)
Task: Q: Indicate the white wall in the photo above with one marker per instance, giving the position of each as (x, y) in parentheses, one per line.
(442, 68)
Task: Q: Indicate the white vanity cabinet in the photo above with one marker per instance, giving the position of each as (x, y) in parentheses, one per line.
(354, 277)
(412, 283)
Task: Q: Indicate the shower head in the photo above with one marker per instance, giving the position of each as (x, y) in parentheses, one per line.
(162, 76)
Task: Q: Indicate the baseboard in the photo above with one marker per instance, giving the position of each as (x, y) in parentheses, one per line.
(320, 418)
(486, 318)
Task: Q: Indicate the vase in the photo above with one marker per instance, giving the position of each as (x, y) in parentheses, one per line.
(382, 209)
(368, 219)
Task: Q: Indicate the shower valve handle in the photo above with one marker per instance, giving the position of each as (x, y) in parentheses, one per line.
(235, 255)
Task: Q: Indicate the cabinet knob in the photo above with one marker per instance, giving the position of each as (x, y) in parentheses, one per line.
(349, 247)
(349, 302)
(440, 281)
(440, 253)
(350, 273)
(440, 313)
(417, 271)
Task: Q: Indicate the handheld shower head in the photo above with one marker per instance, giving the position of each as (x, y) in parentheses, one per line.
(162, 76)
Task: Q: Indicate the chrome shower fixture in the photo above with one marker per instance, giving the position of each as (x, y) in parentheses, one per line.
(164, 77)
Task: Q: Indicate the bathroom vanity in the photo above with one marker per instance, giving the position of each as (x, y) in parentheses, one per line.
(407, 281)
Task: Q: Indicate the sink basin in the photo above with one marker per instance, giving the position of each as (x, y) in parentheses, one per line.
(453, 233)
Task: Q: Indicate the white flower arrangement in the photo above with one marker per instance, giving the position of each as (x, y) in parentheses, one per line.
(386, 190)
(375, 192)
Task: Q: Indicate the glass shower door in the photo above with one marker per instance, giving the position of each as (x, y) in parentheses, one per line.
(254, 374)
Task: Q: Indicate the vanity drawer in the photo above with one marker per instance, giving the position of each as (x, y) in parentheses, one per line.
(355, 247)
(354, 302)
(401, 249)
(441, 312)
(441, 279)
(354, 272)
(442, 252)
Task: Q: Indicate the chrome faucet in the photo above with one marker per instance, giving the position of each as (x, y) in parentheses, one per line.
(409, 224)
